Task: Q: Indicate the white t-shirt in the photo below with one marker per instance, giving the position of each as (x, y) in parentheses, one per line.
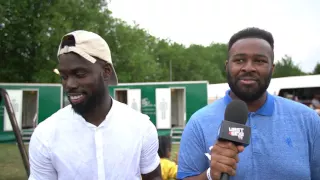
(66, 147)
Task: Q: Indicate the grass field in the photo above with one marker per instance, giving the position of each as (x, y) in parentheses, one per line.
(11, 163)
(11, 166)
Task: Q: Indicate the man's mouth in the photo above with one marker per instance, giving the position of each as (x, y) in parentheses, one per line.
(247, 81)
(248, 78)
(76, 98)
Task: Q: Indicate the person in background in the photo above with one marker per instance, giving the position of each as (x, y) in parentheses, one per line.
(315, 102)
(285, 135)
(95, 137)
(168, 168)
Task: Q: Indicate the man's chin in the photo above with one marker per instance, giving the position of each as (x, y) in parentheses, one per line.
(249, 95)
(79, 108)
(248, 91)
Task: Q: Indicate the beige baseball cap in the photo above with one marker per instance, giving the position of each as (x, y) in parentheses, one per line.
(89, 45)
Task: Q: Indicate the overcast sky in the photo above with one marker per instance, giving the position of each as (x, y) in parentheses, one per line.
(295, 24)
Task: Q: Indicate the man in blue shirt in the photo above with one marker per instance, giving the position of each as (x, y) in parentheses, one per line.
(285, 137)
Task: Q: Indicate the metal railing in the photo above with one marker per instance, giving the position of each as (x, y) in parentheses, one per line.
(22, 149)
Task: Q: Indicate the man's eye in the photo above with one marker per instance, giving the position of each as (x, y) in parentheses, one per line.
(260, 61)
(239, 60)
(81, 74)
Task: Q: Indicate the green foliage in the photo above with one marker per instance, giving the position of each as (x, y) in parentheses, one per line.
(286, 67)
(30, 33)
(317, 69)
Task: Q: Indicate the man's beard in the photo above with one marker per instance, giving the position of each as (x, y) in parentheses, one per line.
(248, 94)
(94, 100)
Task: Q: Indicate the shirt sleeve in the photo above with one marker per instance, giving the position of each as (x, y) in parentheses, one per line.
(315, 163)
(41, 167)
(192, 160)
(150, 159)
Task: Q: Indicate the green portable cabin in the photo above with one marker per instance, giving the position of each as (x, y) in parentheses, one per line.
(168, 104)
(32, 103)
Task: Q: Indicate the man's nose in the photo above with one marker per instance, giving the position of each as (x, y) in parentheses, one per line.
(71, 83)
(248, 66)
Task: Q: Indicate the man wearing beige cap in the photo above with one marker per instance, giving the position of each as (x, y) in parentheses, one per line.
(95, 137)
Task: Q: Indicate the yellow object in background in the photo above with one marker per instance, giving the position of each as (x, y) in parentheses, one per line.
(168, 169)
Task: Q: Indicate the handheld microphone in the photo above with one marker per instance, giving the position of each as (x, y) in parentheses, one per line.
(233, 127)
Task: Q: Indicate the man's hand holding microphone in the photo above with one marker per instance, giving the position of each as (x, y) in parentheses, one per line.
(224, 159)
(232, 139)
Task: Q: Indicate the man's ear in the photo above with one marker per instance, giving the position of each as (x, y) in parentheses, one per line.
(106, 71)
(273, 68)
(225, 65)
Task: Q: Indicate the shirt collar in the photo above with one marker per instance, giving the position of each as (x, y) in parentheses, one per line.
(267, 108)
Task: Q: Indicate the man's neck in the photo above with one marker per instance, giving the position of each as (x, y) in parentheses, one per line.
(254, 105)
(97, 115)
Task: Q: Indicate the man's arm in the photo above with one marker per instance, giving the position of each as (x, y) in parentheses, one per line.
(192, 162)
(41, 167)
(154, 175)
(315, 163)
(150, 160)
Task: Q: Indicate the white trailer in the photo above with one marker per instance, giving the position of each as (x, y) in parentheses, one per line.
(277, 86)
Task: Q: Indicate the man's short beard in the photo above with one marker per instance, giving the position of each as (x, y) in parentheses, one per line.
(94, 100)
(249, 96)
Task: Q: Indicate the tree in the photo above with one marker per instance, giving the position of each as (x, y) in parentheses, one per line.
(286, 67)
(219, 55)
(32, 32)
(18, 46)
(63, 17)
(203, 64)
(132, 52)
(171, 60)
(317, 69)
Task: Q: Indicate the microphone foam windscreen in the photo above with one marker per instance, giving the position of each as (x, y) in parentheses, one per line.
(236, 111)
